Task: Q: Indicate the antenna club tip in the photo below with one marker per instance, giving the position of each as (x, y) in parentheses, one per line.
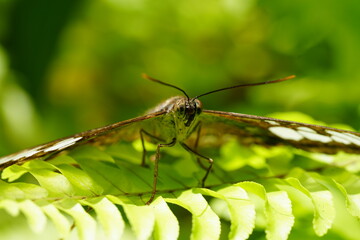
(284, 79)
(144, 75)
(291, 77)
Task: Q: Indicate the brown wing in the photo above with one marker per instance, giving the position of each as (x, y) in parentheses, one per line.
(266, 131)
(127, 130)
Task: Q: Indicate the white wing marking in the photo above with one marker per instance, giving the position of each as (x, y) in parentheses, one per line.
(62, 144)
(42, 148)
(272, 122)
(286, 133)
(22, 154)
(313, 135)
(339, 137)
(354, 139)
(346, 138)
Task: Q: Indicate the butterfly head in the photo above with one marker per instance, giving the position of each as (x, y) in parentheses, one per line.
(186, 110)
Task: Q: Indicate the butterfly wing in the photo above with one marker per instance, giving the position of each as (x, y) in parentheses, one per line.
(125, 130)
(248, 129)
(266, 131)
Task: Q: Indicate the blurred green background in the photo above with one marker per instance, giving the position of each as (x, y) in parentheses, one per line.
(68, 66)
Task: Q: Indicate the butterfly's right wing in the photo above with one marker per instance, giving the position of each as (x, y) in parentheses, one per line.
(265, 131)
(125, 130)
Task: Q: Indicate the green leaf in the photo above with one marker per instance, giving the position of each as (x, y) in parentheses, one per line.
(34, 215)
(91, 152)
(21, 191)
(278, 210)
(242, 212)
(60, 221)
(279, 215)
(81, 182)
(324, 212)
(354, 204)
(85, 224)
(116, 180)
(55, 183)
(108, 215)
(240, 207)
(235, 156)
(205, 223)
(31, 191)
(102, 182)
(254, 188)
(141, 218)
(130, 153)
(9, 191)
(163, 215)
(10, 206)
(13, 172)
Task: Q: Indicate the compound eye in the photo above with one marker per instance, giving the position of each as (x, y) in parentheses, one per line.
(182, 108)
(191, 110)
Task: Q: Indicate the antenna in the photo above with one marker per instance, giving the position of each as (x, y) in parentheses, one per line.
(247, 85)
(144, 75)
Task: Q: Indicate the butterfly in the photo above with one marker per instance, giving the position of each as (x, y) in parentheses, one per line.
(179, 118)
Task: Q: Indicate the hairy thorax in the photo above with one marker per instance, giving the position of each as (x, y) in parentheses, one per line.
(181, 118)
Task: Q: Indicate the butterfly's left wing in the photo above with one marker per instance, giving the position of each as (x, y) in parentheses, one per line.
(266, 131)
(124, 130)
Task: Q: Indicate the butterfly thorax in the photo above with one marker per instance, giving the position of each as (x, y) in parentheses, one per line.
(181, 115)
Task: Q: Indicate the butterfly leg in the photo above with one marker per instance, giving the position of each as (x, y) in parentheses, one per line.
(156, 167)
(142, 133)
(210, 161)
(198, 127)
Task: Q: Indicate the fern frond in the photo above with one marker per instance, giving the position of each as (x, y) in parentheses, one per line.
(91, 189)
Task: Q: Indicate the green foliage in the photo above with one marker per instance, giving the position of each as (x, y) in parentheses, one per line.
(81, 69)
(99, 192)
